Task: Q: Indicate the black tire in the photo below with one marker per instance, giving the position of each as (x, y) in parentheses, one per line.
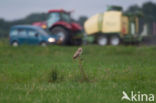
(102, 40)
(43, 44)
(62, 33)
(15, 44)
(115, 40)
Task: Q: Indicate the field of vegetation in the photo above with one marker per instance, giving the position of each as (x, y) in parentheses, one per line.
(34, 74)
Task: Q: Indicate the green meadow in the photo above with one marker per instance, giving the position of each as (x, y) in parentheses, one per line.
(34, 74)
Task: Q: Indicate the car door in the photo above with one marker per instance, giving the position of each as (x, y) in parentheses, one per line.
(22, 37)
(33, 36)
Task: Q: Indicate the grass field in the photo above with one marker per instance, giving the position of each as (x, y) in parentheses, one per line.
(34, 74)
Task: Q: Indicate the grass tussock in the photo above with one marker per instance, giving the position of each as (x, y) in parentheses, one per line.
(55, 76)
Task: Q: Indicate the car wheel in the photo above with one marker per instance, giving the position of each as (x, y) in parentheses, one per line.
(102, 40)
(43, 44)
(62, 33)
(15, 44)
(115, 40)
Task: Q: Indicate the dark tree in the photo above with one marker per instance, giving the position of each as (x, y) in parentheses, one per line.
(82, 19)
(149, 10)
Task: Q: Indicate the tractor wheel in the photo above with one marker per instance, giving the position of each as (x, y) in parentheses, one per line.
(102, 40)
(62, 33)
(114, 40)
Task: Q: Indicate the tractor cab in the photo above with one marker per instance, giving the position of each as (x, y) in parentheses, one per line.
(58, 15)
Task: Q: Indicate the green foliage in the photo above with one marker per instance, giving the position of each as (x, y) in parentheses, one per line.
(81, 20)
(113, 7)
(6, 25)
(25, 72)
(147, 11)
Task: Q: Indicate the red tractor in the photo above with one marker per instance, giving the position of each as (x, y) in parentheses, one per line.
(60, 23)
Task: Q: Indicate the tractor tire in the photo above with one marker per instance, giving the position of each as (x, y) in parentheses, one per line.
(115, 40)
(102, 40)
(62, 33)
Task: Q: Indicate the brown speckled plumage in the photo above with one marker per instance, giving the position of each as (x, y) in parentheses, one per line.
(77, 53)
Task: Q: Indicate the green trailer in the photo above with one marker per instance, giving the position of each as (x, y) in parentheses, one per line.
(113, 27)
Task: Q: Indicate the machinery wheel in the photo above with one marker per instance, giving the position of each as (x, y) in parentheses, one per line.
(15, 44)
(114, 40)
(102, 40)
(62, 33)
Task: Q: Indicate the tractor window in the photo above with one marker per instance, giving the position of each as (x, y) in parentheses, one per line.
(53, 18)
(66, 17)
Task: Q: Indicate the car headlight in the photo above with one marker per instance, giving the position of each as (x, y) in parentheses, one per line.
(51, 40)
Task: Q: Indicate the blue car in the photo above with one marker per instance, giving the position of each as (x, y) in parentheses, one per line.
(28, 34)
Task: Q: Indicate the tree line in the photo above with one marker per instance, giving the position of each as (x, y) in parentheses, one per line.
(147, 9)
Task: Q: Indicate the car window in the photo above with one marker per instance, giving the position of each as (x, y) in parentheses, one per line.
(14, 32)
(23, 32)
(32, 33)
